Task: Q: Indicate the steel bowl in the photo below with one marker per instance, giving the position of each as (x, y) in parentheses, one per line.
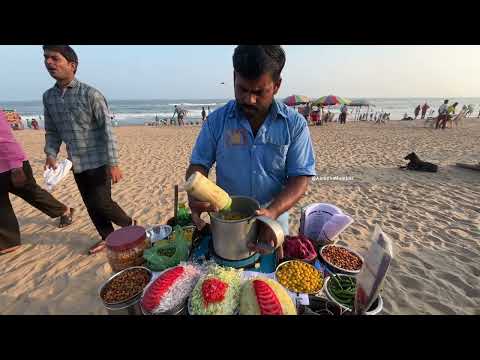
(158, 232)
(338, 268)
(320, 306)
(313, 267)
(374, 310)
(122, 303)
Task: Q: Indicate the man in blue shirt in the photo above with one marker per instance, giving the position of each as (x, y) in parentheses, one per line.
(262, 148)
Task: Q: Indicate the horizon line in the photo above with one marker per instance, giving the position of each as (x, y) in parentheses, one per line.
(204, 99)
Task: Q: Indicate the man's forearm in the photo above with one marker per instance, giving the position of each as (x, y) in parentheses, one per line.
(192, 168)
(294, 190)
(52, 144)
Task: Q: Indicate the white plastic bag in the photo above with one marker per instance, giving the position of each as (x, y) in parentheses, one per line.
(322, 222)
(53, 177)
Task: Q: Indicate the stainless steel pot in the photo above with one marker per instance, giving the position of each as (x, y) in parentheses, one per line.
(230, 237)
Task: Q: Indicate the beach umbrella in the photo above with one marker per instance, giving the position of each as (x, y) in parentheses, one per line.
(294, 100)
(331, 100)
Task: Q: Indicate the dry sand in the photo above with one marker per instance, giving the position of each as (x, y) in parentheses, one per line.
(433, 219)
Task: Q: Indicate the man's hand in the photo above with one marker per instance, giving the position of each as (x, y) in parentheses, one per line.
(19, 179)
(197, 208)
(267, 241)
(50, 163)
(115, 174)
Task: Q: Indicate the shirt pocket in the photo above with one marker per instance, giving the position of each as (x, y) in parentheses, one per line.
(274, 156)
(82, 117)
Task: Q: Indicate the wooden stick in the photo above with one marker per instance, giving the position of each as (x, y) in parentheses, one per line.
(175, 210)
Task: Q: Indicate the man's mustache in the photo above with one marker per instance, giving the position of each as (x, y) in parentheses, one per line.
(249, 107)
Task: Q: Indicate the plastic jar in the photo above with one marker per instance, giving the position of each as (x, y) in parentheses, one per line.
(203, 189)
(125, 247)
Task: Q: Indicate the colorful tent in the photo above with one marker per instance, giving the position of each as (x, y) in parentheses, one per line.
(294, 100)
(331, 100)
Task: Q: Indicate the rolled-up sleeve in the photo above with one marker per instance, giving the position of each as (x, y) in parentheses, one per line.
(52, 137)
(205, 147)
(103, 119)
(300, 156)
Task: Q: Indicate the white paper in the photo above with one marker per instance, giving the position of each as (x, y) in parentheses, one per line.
(53, 177)
(373, 273)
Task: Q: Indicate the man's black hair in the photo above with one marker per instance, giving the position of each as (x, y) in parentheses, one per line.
(252, 61)
(446, 101)
(67, 52)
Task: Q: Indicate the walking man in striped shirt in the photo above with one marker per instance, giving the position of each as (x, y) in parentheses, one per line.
(78, 115)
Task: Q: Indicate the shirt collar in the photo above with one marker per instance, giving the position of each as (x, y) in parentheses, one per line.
(71, 84)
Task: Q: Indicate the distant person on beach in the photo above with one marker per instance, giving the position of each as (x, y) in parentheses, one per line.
(371, 116)
(208, 111)
(343, 114)
(306, 113)
(34, 124)
(175, 112)
(180, 114)
(442, 115)
(16, 177)
(425, 107)
(91, 142)
(29, 123)
(452, 109)
(204, 114)
(417, 111)
(261, 148)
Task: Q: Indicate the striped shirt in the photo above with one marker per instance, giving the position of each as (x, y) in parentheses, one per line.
(79, 116)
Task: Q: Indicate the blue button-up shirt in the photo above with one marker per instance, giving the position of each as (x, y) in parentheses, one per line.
(255, 166)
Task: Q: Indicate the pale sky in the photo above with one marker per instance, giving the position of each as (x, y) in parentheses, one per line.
(195, 72)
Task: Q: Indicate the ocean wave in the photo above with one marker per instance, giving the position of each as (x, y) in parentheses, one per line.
(190, 104)
(151, 115)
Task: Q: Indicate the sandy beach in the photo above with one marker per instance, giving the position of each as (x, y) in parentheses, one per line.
(433, 219)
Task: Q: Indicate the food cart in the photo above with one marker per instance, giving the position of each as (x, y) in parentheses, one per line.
(175, 269)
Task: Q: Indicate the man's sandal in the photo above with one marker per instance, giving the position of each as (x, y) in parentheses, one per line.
(9, 250)
(97, 247)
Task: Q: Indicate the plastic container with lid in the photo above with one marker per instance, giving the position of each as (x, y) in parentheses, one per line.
(125, 247)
